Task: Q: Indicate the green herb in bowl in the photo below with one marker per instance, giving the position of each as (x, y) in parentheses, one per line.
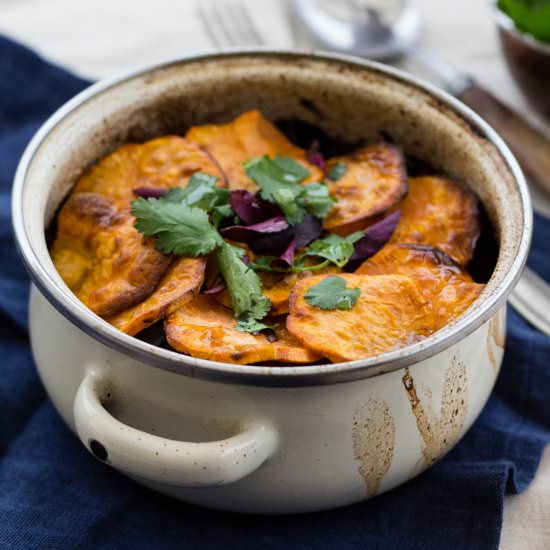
(530, 16)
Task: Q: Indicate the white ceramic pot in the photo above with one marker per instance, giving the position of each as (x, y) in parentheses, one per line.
(255, 438)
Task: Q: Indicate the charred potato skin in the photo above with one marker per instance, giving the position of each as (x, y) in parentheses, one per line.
(102, 257)
(180, 284)
(439, 213)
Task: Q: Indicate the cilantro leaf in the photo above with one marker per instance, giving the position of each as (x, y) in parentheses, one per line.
(179, 229)
(220, 213)
(279, 181)
(268, 263)
(201, 192)
(291, 167)
(337, 171)
(315, 198)
(337, 250)
(243, 284)
(187, 231)
(287, 200)
(252, 325)
(332, 293)
(269, 176)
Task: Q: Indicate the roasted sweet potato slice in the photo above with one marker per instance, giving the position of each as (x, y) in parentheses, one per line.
(439, 213)
(97, 251)
(159, 164)
(180, 284)
(205, 329)
(248, 136)
(102, 257)
(374, 181)
(390, 313)
(442, 282)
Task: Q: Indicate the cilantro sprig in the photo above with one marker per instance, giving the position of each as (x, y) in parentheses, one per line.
(244, 286)
(184, 222)
(332, 293)
(179, 229)
(202, 192)
(280, 180)
(333, 249)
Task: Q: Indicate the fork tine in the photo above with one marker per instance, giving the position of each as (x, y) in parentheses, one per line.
(229, 24)
(247, 21)
(206, 22)
(224, 31)
(235, 27)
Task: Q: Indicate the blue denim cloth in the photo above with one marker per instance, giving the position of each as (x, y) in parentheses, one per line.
(53, 494)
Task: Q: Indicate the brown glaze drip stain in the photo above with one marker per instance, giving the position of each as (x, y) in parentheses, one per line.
(439, 433)
(373, 442)
(496, 337)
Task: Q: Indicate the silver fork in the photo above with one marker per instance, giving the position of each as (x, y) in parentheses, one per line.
(229, 24)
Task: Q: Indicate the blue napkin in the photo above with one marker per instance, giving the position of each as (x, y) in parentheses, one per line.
(53, 494)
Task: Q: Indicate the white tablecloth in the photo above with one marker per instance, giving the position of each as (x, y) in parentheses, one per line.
(98, 38)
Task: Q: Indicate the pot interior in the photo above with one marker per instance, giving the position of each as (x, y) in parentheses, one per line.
(348, 100)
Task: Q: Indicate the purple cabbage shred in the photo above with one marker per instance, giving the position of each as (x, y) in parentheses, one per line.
(149, 192)
(314, 156)
(375, 238)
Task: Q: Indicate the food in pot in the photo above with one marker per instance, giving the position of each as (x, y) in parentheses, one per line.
(388, 312)
(206, 329)
(438, 212)
(365, 184)
(443, 283)
(249, 136)
(251, 249)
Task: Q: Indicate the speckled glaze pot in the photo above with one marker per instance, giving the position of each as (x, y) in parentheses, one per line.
(254, 438)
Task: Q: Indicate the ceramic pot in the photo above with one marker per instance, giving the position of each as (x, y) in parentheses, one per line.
(256, 438)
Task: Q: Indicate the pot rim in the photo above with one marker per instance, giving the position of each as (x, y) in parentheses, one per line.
(69, 306)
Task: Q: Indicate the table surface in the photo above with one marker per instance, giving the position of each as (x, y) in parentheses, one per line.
(100, 38)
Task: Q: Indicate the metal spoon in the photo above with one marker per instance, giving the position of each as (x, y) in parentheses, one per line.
(389, 29)
(366, 29)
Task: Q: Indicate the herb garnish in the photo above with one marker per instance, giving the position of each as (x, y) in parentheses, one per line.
(188, 231)
(337, 171)
(185, 222)
(179, 228)
(243, 284)
(202, 192)
(279, 181)
(332, 293)
(335, 249)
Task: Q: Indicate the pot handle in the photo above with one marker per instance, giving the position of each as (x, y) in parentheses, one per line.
(162, 460)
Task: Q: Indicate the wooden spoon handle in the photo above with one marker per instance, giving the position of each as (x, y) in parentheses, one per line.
(529, 146)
